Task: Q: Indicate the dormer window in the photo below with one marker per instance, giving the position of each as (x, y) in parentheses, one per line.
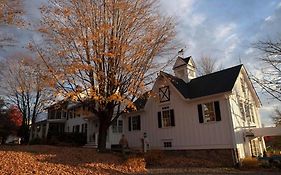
(164, 94)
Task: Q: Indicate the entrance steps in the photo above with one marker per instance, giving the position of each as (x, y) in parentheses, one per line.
(91, 145)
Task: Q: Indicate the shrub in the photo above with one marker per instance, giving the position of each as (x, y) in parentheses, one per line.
(249, 162)
(35, 141)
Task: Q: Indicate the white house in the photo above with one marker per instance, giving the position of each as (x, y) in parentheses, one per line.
(70, 117)
(217, 112)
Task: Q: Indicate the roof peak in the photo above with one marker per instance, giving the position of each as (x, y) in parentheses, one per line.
(239, 65)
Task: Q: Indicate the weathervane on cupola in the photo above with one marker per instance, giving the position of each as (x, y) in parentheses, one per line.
(180, 53)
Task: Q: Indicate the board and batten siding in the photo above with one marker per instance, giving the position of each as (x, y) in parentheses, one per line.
(240, 124)
(187, 133)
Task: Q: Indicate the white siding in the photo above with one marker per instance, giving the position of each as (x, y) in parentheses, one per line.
(240, 124)
(188, 133)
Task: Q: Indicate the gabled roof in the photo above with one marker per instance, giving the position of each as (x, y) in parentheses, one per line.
(214, 83)
(184, 60)
(210, 84)
(140, 102)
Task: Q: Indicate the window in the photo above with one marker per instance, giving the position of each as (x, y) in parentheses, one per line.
(134, 123)
(209, 112)
(58, 114)
(64, 114)
(76, 129)
(249, 112)
(70, 114)
(243, 87)
(167, 144)
(166, 118)
(252, 113)
(84, 128)
(241, 107)
(117, 126)
(164, 94)
(51, 114)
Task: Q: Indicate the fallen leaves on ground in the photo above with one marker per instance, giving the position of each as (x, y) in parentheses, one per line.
(39, 159)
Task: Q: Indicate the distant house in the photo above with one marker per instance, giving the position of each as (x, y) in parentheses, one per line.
(215, 112)
(74, 117)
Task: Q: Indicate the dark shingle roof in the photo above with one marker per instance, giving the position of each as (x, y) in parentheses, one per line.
(214, 83)
(210, 84)
(186, 60)
(140, 102)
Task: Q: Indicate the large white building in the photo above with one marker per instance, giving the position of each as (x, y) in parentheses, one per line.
(70, 117)
(217, 112)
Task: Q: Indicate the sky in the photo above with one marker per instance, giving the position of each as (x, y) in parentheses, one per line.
(222, 29)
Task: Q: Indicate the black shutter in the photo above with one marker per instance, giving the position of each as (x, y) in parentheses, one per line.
(129, 123)
(217, 110)
(200, 113)
(172, 117)
(159, 120)
(139, 122)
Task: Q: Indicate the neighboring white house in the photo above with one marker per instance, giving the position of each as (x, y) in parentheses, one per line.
(217, 111)
(70, 117)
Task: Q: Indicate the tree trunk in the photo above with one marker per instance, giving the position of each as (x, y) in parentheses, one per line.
(102, 135)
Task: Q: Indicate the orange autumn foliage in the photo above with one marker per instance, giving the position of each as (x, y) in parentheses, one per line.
(15, 116)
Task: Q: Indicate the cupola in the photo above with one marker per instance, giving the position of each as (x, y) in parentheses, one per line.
(184, 68)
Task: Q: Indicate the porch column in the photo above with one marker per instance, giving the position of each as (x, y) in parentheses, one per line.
(47, 129)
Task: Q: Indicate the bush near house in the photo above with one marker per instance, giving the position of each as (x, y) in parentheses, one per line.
(64, 139)
(250, 162)
(192, 158)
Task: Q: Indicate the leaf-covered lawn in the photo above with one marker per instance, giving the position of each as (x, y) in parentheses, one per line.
(37, 159)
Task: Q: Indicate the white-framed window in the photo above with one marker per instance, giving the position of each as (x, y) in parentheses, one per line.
(167, 144)
(243, 87)
(166, 118)
(134, 123)
(249, 112)
(252, 113)
(117, 126)
(241, 107)
(209, 112)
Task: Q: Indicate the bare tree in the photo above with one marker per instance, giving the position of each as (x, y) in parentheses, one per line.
(102, 51)
(270, 78)
(207, 65)
(22, 84)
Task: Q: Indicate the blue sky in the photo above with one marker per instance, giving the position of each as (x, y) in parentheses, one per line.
(225, 30)
(221, 29)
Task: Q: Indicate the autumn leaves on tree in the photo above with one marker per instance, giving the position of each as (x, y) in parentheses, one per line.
(101, 51)
(10, 121)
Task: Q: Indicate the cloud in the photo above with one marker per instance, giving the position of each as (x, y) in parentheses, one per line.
(177, 7)
(279, 5)
(224, 30)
